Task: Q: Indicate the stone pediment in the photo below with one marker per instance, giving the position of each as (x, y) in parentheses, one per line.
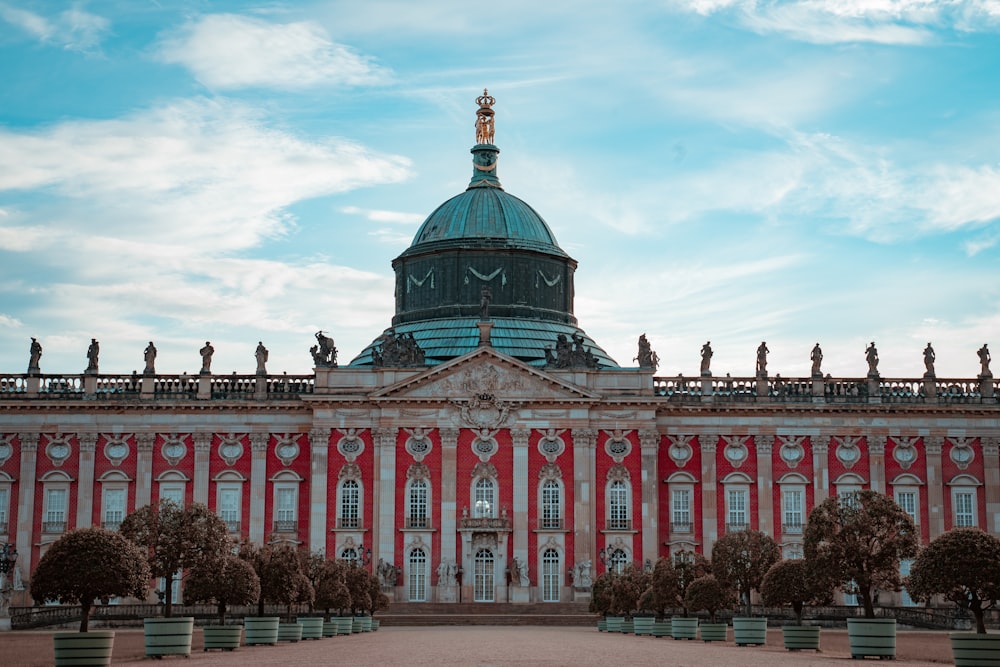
(484, 372)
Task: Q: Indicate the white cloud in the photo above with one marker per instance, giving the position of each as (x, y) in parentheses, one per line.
(74, 29)
(227, 51)
(9, 322)
(377, 215)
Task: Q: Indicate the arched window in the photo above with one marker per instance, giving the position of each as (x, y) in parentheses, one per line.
(617, 561)
(551, 505)
(551, 576)
(349, 554)
(484, 503)
(482, 587)
(418, 576)
(350, 504)
(619, 515)
(418, 516)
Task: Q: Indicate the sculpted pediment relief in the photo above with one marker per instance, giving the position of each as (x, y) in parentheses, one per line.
(484, 373)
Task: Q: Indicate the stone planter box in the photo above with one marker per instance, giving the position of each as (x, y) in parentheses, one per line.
(971, 649)
(362, 624)
(289, 632)
(872, 637)
(713, 632)
(643, 625)
(312, 627)
(602, 625)
(223, 637)
(83, 648)
(662, 629)
(615, 623)
(801, 637)
(684, 627)
(375, 624)
(330, 628)
(749, 631)
(168, 636)
(628, 626)
(261, 630)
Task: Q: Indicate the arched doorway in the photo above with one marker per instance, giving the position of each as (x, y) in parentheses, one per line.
(418, 576)
(550, 576)
(483, 582)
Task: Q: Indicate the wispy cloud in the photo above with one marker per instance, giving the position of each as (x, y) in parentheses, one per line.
(73, 29)
(228, 51)
(377, 215)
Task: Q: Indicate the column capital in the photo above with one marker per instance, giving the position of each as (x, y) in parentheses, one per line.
(991, 446)
(876, 445)
(708, 442)
(319, 438)
(385, 436)
(202, 441)
(520, 436)
(933, 445)
(764, 444)
(449, 437)
(649, 438)
(144, 441)
(88, 441)
(258, 441)
(820, 443)
(585, 438)
(29, 441)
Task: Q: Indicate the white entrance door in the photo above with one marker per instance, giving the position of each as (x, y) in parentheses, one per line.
(483, 590)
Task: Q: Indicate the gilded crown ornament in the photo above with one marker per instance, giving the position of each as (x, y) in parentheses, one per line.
(484, 118)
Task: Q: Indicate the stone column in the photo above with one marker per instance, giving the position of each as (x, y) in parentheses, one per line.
(85, 481)
(202, 453)
(991, 486)
(385, 487)
(144, 468)
(764, 444)
(319, 464)
(935, 485)
(649, 443)
(519, 548)
(258, 486)
(821, 467)
(26, 500)
(876, 462)
(585, 493)
(709, 505)
(449, 516)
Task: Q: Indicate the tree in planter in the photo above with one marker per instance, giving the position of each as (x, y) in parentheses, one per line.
(670, 580)
(963, 565)
(741, 559)
(626, 589)
(233, 582)
(359, 586)
(378, 599)
(789, 582)
(859, 540)
(279, 567)
(710, 594)
(176, 539)
(90, 564)
(313, 564)
(331, 588)
(600, 594)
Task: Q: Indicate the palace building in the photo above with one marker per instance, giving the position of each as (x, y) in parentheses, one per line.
(484, 447)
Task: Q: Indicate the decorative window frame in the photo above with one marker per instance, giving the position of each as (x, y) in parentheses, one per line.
(285, 480)
(681, 481)
(55, 480)
(618, 544)
(172, 480)
(116, 448)
(173, 449)
(350, 444)
(796, 482)
(58, 448)
(964, 484)
(7, 486)
(113, 481)
(350, 473)
(551, 477)
(908, 483)
(737, 482)
(555, 546)
(485, 479)
(230, 480)
(412, 577)
(618, 478)
(418, 473)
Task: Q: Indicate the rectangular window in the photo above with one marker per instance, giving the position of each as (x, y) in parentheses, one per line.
(792, 510)
(551, 505)
(848, 495)
(55, 510)
(173, 493)
(285, 510)
(229, 507)
(680, 510)
(908, 501)
(418, 504)
(736, 510)
(965, 509)
(350, 504)
(4, 509)
(618, 510)
(114, 508)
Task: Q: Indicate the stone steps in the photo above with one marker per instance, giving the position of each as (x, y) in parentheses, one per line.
(431, 613)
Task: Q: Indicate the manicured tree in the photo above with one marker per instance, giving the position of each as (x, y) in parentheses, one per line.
(626, 588)
(963, 565)
(789, 582)
(358, 586)
(858, 540)
(313, 564)
(600, 594)
(662, 590)
(233, 582)
(331, 587)
(279, 568)
(710, 594)
(176, 539)
(688, 566)
(378, 599)
(741, 559)
(89, 564)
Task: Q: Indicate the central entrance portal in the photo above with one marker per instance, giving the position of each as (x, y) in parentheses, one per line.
(483, 584)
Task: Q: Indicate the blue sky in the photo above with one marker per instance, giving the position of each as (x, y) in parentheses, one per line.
(724, 170)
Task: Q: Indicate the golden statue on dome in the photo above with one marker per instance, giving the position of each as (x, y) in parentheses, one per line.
(484, 118)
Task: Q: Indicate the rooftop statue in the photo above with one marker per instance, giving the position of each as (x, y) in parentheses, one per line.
(647, 358)
(35, 357)
(984, 362)
(817, 361)
(206, 357)
(929, 359)
(484, 118)
(762, 359)
(484, 304)
(706, 359)
(871, 355)
(397, 350)
(570, 355)
(261, 355)
(93, 352)
(324, 353)
(149, 355)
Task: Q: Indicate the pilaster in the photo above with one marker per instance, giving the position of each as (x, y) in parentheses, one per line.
(202, 454)
(935, 485)
(821, 467)
(991, 486)
(764, 444)
(319, 464)
(649, 444)
(26, 499)
(876, 462)
(709, 514)
(449, 518)
(144, 468)
(258, 485)
(519, 548)
(85, 480)
(585, 490)
(385, 487)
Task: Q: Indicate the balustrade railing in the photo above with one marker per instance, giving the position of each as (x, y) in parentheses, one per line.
(61, 384)
(13, 384)
(418, 522)
(484, 522)
(176, 386)
(286, 526)
(234, 386)
(123, 386)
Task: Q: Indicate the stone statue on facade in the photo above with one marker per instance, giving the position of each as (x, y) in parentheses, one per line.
(484, 304)
(447, 574)
(929, 359)
(387, 573)
(762, 359)
(397, 350)
(570, 354)
(582, 578)
(261, 356)
(706, 359)
(149, 355)
(206, 357)
(324, 353)
(522, 575)
(35, 356)
(984, 362)
(817, 361)
(871, 355)
(647, 358)
(93, 352)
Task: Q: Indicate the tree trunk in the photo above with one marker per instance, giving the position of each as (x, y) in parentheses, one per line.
(866, 600)
(797, 608)
(85, 616)
(977, 612)
(168, 597)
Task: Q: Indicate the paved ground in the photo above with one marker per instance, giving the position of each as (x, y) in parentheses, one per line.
(486, 646)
